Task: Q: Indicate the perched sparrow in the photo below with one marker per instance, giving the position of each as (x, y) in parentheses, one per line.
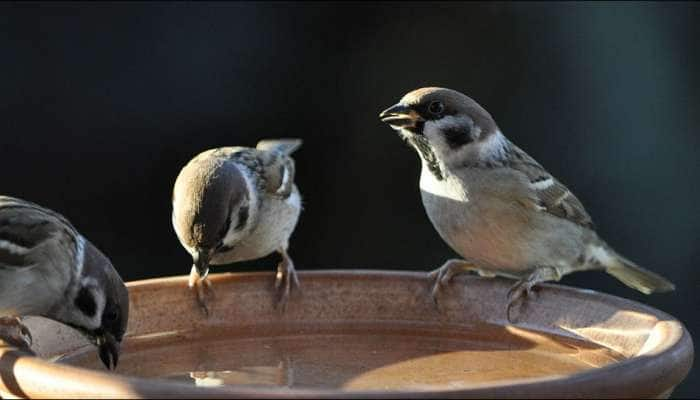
(238, 203)
(495, 205)
(49, 269)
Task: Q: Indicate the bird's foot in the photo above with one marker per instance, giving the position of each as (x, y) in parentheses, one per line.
(14, 333)
(285, 280)
(522, 289)
(518, 292)
(442, 276)
(204, 290)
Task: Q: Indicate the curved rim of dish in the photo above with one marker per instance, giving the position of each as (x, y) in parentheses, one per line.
(675, 349)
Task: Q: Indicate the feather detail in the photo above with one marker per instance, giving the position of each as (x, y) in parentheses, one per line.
(628, 272)
(269, 163)
(551, 195)
(25, 226)
(284, 146)
(278, 166)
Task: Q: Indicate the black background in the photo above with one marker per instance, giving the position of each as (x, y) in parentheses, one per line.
(102, 104)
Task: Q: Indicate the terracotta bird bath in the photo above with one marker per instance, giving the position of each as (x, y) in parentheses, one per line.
(363, 334)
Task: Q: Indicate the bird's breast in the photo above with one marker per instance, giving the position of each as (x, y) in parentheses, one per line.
(475, 223)
(447, 204)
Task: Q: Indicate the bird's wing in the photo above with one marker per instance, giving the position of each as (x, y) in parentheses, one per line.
(278, 164)
(284, 146)
(551, 195)
(24, 226)
(279, 171)
(270, 162)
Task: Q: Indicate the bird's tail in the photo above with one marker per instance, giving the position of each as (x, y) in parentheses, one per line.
(285, 146)
(630, 273)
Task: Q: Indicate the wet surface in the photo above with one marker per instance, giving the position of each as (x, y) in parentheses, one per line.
(355, 358)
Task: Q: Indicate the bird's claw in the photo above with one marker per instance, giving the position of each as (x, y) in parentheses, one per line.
(285, 280)
(204, 291)
(440, 278)
(520, 291)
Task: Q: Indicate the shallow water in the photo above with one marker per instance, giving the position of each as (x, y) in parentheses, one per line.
(355, 359)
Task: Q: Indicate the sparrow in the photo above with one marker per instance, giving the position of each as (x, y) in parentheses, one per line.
(495, 205)
(48, 269)
(238, 203)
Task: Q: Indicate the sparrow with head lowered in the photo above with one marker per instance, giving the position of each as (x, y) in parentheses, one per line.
(495, 205)
(48, 269)
(235, 204)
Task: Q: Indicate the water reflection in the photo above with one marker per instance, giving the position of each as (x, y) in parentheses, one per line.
(381, 360)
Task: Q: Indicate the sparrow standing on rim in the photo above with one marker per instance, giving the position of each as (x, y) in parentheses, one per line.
(495, 205)
(48, 269)
(238, 203)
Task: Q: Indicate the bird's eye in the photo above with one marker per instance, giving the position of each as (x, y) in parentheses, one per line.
(436, 107)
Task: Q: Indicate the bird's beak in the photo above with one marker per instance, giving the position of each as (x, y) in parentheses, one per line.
(400, 116)
(109, 350)
(200, 260)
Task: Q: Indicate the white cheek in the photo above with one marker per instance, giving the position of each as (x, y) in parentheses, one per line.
(433, 132)
(233, 236)
(98, 296)
(493, 147)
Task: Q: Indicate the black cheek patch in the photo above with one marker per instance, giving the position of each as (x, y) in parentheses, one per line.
(227, 224)
(457, 136)
(86, 303)
(242, 218)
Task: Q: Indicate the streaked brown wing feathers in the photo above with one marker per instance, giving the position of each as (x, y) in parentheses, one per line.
(552, 196)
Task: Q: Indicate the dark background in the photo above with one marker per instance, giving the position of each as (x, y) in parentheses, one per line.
(102, 104)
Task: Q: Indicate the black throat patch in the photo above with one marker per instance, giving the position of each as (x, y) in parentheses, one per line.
(420, 143)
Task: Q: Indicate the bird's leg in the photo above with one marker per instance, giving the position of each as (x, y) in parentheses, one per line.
(14, 333)
(443, 275)
(522, 289)
(285, 279)
(203, 288)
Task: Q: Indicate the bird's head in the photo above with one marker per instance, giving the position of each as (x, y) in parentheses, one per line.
(446, 123)
(212, 208)
(97, 304)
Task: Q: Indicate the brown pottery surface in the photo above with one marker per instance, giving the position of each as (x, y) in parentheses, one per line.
(359, 333)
